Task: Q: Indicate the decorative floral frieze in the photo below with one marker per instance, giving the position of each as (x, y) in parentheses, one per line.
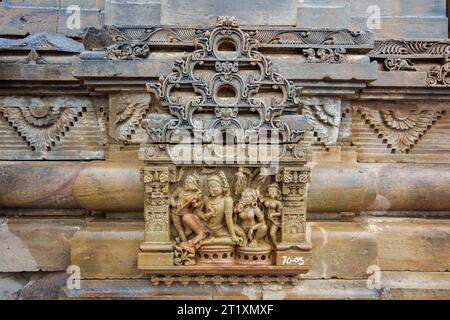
(404, 47)
(217, 280)
(264, 36)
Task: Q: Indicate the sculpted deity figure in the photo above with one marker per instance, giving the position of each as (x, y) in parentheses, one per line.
(273, 206)
(186, 203)
(253, 224)
(219, 212)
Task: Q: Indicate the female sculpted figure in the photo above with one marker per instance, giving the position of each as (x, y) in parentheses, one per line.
(186, 203)
(219, 212)
(252, 220)
(273, 205)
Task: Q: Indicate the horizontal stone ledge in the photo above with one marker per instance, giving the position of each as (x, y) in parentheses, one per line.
(107, 249)
(405, 79)
(293, 68)
(24, 72)
(410, 288)
(116, 186)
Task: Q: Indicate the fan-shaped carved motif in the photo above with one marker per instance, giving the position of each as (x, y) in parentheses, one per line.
(401, 130)
(41, 126)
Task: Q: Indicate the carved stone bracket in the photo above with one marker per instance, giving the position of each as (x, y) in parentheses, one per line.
(325, 115)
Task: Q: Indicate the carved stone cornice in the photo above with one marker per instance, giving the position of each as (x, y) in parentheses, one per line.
(129, 37)
(414, 69)
(119, 53)
(42, 41)
(410, 49)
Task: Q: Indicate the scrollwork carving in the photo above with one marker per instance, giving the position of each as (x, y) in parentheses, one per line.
(398, 64)
(437, 76)
(227, 91)
(324, 55)
(297, 38)
(403, 47)
(127, 52)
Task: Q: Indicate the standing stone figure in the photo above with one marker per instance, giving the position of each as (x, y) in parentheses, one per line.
(273, 206)
(251, 218)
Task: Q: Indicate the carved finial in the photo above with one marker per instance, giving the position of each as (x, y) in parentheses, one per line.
(228, 22)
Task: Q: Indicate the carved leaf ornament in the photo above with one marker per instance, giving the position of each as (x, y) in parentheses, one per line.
(400, 130)
(42, 127)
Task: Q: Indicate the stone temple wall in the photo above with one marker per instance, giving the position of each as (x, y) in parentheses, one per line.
(73, 188)
(400, 19)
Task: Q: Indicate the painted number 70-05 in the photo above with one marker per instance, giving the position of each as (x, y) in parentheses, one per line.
(293, 260)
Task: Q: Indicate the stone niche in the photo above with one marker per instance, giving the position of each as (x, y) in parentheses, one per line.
(226, 170)
(225, 117)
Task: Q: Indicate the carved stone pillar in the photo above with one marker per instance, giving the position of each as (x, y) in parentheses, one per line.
(294, 246)
(157, 248)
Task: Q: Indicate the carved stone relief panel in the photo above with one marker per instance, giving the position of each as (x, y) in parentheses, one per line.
(214, 220)
(325, 115)
(412, 131)
(126, 111)
(35, 128)
(208, 217)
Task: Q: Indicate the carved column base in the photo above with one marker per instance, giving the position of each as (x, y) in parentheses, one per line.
(216, 254)
(150, 259)
(254, 256)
